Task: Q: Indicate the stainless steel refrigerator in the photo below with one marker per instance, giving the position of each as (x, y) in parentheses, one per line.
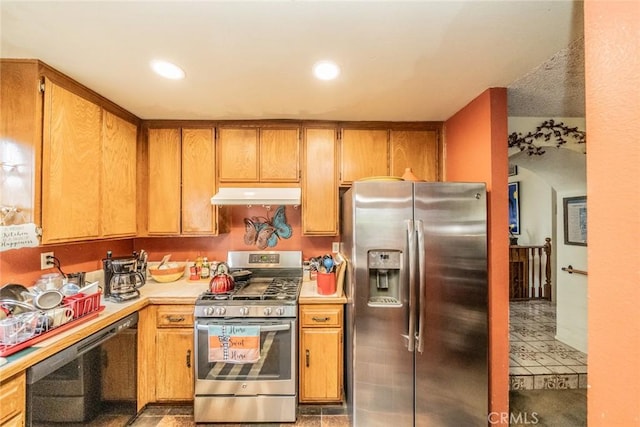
(416, 318)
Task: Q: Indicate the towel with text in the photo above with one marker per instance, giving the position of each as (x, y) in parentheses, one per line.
(234, 343)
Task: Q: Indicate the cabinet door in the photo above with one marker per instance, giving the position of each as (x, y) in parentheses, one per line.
(118, 209)
(71, 165)
(164, 181)
(319, 186)
(321, 365)
(119, 367)
(364, 153)
(13, 397)
(415, 149)
(238, 155)
(198, 181)
(279, 155)
(174, 362)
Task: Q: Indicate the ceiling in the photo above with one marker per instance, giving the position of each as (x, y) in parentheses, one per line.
(400, 61)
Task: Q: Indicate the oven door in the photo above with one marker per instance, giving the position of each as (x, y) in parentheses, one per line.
(274, 373)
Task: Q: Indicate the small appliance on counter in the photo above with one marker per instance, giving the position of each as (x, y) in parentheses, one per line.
(123, 276)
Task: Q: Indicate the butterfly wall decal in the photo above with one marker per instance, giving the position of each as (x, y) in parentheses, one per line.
(265, 232)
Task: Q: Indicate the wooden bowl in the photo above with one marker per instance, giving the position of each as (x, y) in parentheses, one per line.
(166, 275)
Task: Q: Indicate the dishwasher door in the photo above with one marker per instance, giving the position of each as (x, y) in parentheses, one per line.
(67, 387)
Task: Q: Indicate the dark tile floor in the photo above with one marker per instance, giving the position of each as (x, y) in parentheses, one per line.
(182, 416)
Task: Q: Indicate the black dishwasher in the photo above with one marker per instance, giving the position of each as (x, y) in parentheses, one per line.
(66, 387)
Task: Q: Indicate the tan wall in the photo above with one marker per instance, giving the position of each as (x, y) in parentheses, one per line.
(476, 150)
(612, 81)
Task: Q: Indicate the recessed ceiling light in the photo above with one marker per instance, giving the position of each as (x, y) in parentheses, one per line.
(167, 69)
(326, 70)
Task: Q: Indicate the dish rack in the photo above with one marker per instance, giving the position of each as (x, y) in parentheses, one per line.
(31, 327)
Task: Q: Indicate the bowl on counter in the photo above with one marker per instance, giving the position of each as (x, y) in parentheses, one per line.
(170, 271)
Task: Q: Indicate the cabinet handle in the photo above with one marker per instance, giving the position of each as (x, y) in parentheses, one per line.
(175, 319)
(105, 359)
(307, 357)
(320, 319)
(188, 358)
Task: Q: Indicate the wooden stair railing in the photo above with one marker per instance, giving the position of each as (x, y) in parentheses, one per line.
(526, 267)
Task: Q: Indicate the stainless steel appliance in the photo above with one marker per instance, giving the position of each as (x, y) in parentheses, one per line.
(416, 316)
(123, 276)
(66, 387)
(229, 389)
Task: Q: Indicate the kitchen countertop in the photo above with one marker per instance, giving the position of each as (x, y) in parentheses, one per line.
(179, 292)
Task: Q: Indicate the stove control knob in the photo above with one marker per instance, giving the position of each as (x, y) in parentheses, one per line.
(267, 311)
(220, 311)
(244, 311)
(208, 311)
(279, 311)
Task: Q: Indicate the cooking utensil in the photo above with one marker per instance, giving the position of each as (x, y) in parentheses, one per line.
(241, 275)
(328, 263)
(222, 281)
(165, 259)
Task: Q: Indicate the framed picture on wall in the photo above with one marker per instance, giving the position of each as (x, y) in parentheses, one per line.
(575, 220)
(514, 207)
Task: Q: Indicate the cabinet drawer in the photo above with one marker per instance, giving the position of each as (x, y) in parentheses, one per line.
(321, 316)
(12, 396)
(174, 316)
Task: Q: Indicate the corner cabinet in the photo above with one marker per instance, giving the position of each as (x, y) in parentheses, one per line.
(181, 181)
(77, 170)
(321, 353)
(258, 154)
(319, 182)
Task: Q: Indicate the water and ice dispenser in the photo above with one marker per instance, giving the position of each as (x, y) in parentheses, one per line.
(383, 267)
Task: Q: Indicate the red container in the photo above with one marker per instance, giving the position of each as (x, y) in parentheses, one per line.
(326, 283)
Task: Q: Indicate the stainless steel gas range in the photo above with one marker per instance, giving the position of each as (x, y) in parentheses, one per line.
(245, 340)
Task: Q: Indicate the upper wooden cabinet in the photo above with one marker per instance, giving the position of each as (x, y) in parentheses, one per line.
(380, 151)
(319, 182)
(76, 153)
(364, 153)
(415, 149)
(258, 154)
(119, 162)
(181, 181)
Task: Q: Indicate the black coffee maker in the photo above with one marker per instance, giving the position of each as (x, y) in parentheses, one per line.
(124, 275)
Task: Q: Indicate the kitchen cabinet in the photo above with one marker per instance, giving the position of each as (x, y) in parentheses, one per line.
(71, 162)
(321, 353)
(118, 373)
(181, 181)
(415, 149)
(319, 182)
(388, 151)
(258, 154)
(72, 149)
(364, 153)
(174, 357)
(119, 163)
(13, 398)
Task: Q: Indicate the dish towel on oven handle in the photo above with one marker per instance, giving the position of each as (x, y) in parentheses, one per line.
(234, 343)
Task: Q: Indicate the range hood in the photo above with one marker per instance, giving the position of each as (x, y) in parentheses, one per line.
(257, 196)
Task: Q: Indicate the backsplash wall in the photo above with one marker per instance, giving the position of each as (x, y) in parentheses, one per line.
(23, 265)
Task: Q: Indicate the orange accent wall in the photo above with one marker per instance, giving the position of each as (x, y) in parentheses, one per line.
(476, 150)
(612, 95)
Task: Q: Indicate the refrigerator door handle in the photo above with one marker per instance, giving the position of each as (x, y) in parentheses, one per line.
(423, 286)
(411, 246)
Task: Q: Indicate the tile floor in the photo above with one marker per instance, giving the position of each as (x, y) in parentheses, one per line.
(537, 360)
(182, 416)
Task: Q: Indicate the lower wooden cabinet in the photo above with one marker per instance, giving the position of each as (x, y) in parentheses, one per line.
(166, 358)
(174, 353)
(321, 354)
(12, 401)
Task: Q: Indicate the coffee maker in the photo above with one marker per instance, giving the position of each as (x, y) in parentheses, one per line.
(123, 276)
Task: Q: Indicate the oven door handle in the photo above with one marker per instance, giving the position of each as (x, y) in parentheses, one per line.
(267, 328)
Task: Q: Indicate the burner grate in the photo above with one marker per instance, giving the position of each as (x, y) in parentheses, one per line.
(273, 289)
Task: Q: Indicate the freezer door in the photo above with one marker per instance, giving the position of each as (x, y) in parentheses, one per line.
(381, 366)
(451, 371)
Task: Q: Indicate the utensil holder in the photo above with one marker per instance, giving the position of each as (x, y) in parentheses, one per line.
(326, 283)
